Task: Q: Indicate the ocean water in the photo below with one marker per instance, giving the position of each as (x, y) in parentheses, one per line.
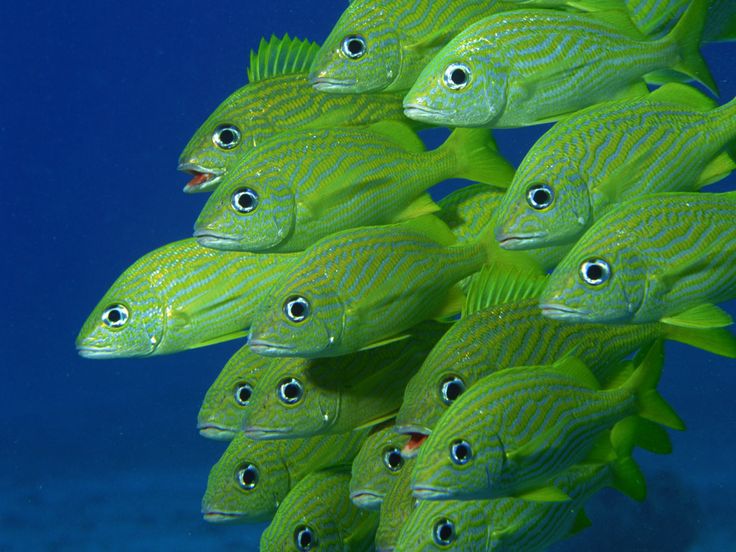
(97, 101)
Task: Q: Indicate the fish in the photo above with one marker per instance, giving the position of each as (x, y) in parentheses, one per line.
(515, 333)
(377, 465)
(395, 509)
(278, 98)
(671, 140)
(507, 523)
(318, 515)
(178, 297)
(228, 398)
(657, 17)
(665, 257)
(301, 186)
(526, 67)
(301, 397)
(252, 478)
(359, 288)
(514, 429)
(382, 45)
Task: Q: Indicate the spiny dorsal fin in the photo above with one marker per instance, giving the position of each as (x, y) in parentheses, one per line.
(491, 286)
(281, 56)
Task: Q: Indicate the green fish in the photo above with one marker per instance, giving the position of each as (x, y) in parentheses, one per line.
(666, 257)
(671, 140)
(361, 287)
(317, 515)
(228, 398)
(383, 44)
(277, 98)
(395, 509)
(505, 524)
(252, 478)
(516, 333)
(301, 186)
(657, 17)
(377, 465)
(514, 429)
(178, 297)
(531, 66)
(301, 397)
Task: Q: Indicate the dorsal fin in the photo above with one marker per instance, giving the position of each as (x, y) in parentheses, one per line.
(491, 286)
(684, 95)
(281, 56)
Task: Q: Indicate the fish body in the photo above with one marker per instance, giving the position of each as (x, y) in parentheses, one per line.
(668, 141)
(525, 67)
(514, 429)
(504, 524)
(360, 287)
(395, 509)
(178, 297)
(278, 98)
(317, 515)
(376, 466)
(300, 397)
(226, 401)
(382, 45)
(652, 258)
(301, 186)
(252, 478)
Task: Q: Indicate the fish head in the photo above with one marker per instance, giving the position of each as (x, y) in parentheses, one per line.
(298, 531)
(252, 209)
(247, 483)
(361, 54)
(602, 279)
(440, 524)
(229, 397)
(458, 87)
(540, 209)
(129, 321)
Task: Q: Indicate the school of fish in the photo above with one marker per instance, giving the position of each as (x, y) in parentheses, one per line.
(460, 372)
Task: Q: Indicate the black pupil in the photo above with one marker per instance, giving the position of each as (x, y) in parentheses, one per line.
(458, 76)
(248, 477)
(291, 391)
(244, 393)
(245, 200)
(453, 390)
(445, 532)
(355, 46)
(461, 451)
(114, 316)
(297, 309)
(540, 197)
(595, 272)
(394, 459)
(227, 136)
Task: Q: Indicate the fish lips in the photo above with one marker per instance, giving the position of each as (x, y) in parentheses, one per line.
(214, 516)
(204, 179)
(559, 311)
(88, 351)
(269, 348)
(207, 238)
(216, 432)
(325, 84)
(519, 241)
(423, 492)
(426, 114)
(366, 499)
(259, 433)
(418, 436)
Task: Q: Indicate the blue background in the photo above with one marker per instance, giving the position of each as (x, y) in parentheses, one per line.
(97, 101)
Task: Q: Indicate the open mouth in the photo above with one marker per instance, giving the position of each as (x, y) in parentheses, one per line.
(325, 84)
(203, 179)
(417, 436)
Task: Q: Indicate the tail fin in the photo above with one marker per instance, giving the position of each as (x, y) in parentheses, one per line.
(688, 34)
(719, 341)
(478, 157)
(643, 383)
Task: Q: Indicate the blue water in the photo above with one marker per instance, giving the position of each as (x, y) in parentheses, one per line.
(97, 101)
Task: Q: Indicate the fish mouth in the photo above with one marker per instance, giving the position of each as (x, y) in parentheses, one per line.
(203, 180)
(216, 432)
(417, 436)
(221, 517)
(366, 499)
(258, 433)
(424, 113)
(423, 492)
(207, 238)
(97, 352)
(562, 312)
(324, 84)
(268, 348)
(519, 241)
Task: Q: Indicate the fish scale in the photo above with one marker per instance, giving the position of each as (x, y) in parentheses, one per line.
(395, 509)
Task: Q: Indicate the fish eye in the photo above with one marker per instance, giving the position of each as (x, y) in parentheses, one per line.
(460, 452)
(244, 200)
(115, 316)
(540, 196)
(392, 459)
(595, 272)
(443, 532)
(243, 392)
(451, 389)
(304, 538)
(247, 477)
(353, 47)
(226, 136)
(290, 390)
(296, 308)
(457, 76)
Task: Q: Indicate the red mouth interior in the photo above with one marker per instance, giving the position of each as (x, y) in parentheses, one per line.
(198, 179)
(415, 441)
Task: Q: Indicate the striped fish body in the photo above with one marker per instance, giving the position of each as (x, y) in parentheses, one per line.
(279, 102)
(383, 45)
(377, 466)
(669, 141)
(395, 509)
(657, 17)
(360, 287)
(317, 513)
(252, 478)
(517, 428)
(652, 258)
(503, 524)
(301, 397)
(178, 297)
(226, 401)
(512, 334)
(524, 67)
